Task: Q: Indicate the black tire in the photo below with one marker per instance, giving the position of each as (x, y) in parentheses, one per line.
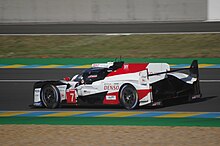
(50, 96)
(129, 97)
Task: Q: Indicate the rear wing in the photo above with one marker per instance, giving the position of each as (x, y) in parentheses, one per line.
(193, 70)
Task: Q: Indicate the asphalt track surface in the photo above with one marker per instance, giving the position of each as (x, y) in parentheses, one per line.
(18, 95)
(180, 27)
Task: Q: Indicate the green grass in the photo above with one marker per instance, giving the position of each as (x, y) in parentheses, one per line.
(134, 121)
(134, 46)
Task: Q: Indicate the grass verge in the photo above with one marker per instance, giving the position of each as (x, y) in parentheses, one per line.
(83, 61)
(134, 121)
(133, 46)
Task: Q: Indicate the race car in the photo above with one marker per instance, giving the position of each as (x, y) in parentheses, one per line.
(117, 83)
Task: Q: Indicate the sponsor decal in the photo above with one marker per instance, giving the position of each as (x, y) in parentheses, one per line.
(126, 66)
(37, 94)
(111, 86)
(92, 76)
(37, 90)
(110, 97)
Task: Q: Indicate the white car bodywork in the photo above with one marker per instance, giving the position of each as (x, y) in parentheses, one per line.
(136, 75)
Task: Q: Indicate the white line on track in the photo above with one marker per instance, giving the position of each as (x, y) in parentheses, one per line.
(107, 34)
(202, 81)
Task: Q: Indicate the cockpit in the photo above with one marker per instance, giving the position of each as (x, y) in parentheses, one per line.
(98, 72)
(91, 75)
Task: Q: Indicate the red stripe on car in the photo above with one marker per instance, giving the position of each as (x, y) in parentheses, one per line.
(143, 93)
(129, 68)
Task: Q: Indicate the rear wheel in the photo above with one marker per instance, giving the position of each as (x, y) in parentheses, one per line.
(129, 97)
(50, 96)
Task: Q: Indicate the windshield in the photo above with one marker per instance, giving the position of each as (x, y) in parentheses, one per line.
(90, 75)
(78, 78)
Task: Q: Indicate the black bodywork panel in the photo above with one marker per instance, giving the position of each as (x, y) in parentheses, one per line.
(172, 87)
(92, 99)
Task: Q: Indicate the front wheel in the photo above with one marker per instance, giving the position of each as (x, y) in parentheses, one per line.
(129, 97)
(50, 96)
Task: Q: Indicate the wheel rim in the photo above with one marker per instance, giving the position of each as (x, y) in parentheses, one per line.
(129, 97)
(49, 97)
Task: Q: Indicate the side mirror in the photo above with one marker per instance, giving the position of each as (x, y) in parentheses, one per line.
(66, 79)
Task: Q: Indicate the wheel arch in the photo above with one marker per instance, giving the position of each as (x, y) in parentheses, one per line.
(120, 90)
(128, 83)
(55, 89)
(124, 84)
(42, 84)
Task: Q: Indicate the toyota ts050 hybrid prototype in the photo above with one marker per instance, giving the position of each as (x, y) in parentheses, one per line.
(118, 83)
